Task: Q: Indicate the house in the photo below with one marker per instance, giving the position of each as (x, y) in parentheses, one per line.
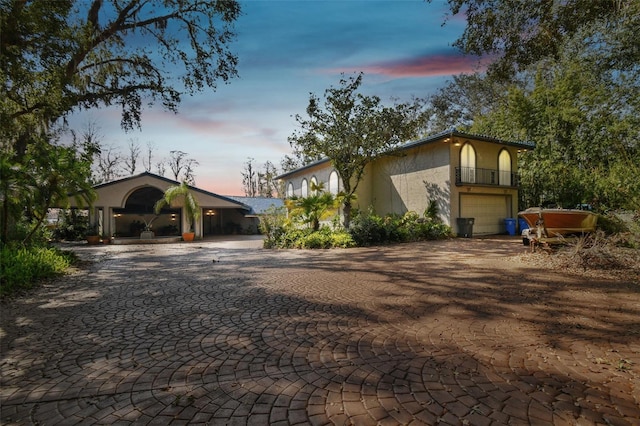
(124, 207)
(466, 175)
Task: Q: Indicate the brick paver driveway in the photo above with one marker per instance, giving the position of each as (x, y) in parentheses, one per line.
(453, 332)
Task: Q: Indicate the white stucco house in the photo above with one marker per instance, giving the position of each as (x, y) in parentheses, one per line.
(467, 175)
(123, 208)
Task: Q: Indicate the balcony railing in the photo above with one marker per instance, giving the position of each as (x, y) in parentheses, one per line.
(475, 176)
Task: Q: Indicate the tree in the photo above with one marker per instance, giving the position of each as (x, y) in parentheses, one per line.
(352, 130)
(131, 160)
(58, 57)
(565, 76)
(463, 99)
(190, 203)
(517, 34)
(147, 160)
(107, 164)
(182, 166)
(249, 179)
(267, 183)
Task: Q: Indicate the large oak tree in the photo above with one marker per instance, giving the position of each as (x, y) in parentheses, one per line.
(58, 57)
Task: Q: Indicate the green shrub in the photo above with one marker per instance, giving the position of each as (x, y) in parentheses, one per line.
(371, 229)
(325, 238)
(24, 267)
(342, 239)
(273, 226)
(366, 229)
(611, 224)
(71, 226)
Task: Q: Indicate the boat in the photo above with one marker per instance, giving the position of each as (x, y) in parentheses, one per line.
(558, 222)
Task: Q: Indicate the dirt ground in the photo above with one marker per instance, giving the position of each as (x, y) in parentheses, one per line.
(461, 332)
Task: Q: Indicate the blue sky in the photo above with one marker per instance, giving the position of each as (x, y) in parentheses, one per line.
(286, 50)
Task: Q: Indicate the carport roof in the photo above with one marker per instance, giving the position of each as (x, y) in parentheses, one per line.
(259, 205)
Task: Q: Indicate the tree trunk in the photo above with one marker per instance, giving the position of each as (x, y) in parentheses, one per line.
(347, 214)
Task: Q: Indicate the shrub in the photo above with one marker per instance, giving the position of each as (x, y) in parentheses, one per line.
(272, 226)
(325, 238)
(71, 226)
(366, 229)
(24, 267)
(370, 229)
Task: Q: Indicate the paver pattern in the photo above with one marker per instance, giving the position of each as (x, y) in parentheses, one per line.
(454, 332)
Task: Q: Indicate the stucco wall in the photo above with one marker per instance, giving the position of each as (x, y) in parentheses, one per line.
(408, 182)
(486, 158)
(321, 172)
(424, 172)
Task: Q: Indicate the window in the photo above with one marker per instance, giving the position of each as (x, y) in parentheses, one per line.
(304, 190)
(290, 190)
(333, 183)
(468, 163)
(313, 184)
(504, 168)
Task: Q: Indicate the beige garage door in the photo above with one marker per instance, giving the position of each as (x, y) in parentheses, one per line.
(489, 212)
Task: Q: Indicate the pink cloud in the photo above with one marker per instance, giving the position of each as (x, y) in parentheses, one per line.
(426, 66)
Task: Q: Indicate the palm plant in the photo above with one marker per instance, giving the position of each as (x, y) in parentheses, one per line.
(190, 203)
(314, 208)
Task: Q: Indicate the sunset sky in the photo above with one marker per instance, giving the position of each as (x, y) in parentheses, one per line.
(286, 50)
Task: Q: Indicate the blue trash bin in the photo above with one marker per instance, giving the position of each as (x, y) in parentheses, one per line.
(510, 224)
(523, 224)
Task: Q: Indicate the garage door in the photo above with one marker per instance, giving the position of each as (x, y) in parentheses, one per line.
(489, 212)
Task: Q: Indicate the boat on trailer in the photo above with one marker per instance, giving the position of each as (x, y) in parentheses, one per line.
(547, 225)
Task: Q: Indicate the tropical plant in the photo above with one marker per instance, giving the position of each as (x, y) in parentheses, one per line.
(190, 203)
(313, 208)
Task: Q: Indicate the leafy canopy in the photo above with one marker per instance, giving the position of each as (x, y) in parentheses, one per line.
(189, 202)
(58, 57)
(565, 75)
(352, 129)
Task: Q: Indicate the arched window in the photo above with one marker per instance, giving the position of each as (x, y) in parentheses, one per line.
(313, 184)
(304, 189)
(504, 168)
(290, 190)
(468, 163)
(333, 183)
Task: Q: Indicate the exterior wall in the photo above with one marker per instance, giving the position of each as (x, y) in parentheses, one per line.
(426, 171)
(114, 195)
(321, 172)
(408, 182)
(487, 154)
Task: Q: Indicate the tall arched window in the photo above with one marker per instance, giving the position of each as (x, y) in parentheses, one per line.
(333, 183)
(313, 184)
(304, 189)
(504, 168)
(290, 190)
(468, 163)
